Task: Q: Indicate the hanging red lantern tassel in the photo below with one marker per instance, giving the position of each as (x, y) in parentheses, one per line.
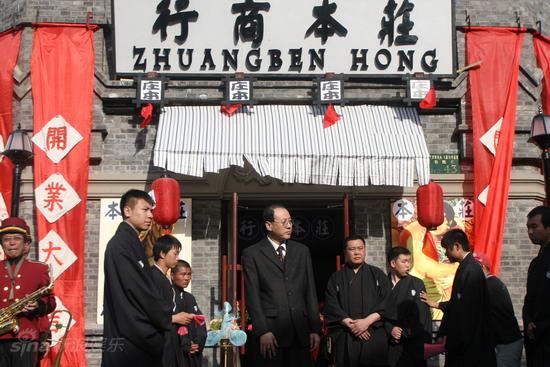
(430, 214)
(166, 192)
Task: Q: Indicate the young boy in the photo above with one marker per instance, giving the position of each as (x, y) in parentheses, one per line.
(194, 338)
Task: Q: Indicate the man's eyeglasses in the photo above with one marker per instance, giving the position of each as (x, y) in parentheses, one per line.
(284, 222)
(12, 238)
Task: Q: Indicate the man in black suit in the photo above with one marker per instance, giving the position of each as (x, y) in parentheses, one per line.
(135, 323)
(280, 295)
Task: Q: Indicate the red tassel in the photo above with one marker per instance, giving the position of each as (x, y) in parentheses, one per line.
(229, 110)
(429, 100)
(147, 114)
(331, 117)
(428, 247)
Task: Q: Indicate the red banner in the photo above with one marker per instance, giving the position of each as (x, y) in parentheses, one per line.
(541, 43)
(493, 91)
(62, 71)
(9, 44)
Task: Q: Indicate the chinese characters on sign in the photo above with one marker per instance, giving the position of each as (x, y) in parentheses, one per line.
(249, 25)
(404, 28)
(418, 88)
(57, 138)
(165, 19)
(150, 91)
(286, 36)
(55, 197)
(325, 26)
(239, 91)
(54, 251)
(330, 91)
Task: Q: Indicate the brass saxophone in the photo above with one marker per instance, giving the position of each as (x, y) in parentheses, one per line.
(8, 319)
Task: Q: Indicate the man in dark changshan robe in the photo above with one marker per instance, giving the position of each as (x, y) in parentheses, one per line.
(355, 308)
(413, 320)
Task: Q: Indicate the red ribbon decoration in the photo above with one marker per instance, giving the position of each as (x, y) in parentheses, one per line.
(229, 110)
(331, 117)
(199, 321)
(429, 100)
(147, 114)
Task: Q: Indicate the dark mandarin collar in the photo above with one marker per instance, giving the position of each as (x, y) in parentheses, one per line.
(14, 260)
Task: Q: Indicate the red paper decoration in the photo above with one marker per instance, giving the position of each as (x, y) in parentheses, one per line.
(429, 203)
(166, 191)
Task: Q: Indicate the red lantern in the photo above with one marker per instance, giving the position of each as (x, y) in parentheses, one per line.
(429, 205)
(166, 193)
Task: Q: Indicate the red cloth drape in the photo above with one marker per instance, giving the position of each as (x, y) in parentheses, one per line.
(493, 91)
(9, 44)
(541, 43)
(62, 71)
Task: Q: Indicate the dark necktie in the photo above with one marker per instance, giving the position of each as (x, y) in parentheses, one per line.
(280, 253)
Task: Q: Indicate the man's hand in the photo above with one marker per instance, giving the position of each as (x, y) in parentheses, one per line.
(30, 307)
(359, 326)
(424, 298)
(182, 318)
(531, 330)
(347, 322)
(194, 348)
(314, 341)
(268, 345)
(396, 332)
(365, 335)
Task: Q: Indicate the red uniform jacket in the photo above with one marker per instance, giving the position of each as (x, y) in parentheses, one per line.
(32, 276)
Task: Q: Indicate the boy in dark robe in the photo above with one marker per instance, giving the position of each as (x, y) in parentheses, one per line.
(355, 307)
(413, 320)
(466, 319)
(193, 337)
(165, 253)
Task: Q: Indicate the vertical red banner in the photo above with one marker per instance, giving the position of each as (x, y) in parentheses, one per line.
(541, 43)
(9, 44)
(493, 90)
(62, 71)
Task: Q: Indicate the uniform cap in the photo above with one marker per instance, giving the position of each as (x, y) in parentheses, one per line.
(14, 225)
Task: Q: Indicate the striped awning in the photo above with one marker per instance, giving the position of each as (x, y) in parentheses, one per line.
(370, 145)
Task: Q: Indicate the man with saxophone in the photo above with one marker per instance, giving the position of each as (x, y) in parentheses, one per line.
(20, 277)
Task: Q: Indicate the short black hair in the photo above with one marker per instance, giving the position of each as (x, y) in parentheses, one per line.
(449, 214)
(165, 244)
(453, 236)
(131, 197)
(182, 264)
(269, 212)
(397, 251)
(353, 237)
(544, 213)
